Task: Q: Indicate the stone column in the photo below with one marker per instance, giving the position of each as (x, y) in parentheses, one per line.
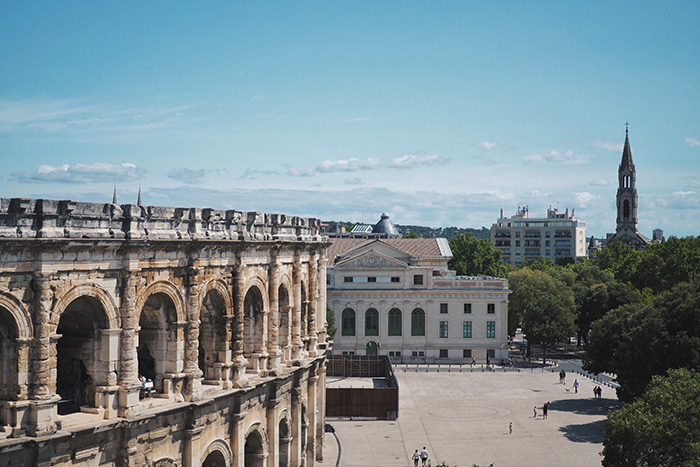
(296, 423)
(43, 410)
(193, 389)
(312, 414)
(239, 361)
(237, 441)
(321, 324)
(313, 305)
(297, 344)
(273, 428)
(321, 411)
(129, 362)
(273, 346)
(192, 449)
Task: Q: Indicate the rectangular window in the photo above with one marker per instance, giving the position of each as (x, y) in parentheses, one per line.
(328, 279)
(467, 329)
(417, 279)
(466, 353)
(395, 279)
(443, 353)
(491, 308)
(517, 243)
(468, 308)
(490, 329)
(371, 279)
(443, 308)
(347, 279)
(547, 234)
(443, 329)
(491, 353)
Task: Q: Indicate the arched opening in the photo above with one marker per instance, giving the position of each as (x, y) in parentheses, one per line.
(254, 450)
(77, 354)
(215, 459)
(285, 443)
(395, 322)
(285, 311)
(626, 210)
(158, 351)
(371, 348)
(418, 322)
(371, 322)
(253, 341)
(347, 322)
(8, 355)
(212, 334)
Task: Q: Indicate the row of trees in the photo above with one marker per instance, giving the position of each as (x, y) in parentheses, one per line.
(638, 316)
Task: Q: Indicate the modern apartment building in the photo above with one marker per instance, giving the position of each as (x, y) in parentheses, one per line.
(396, 297)
(559, 236)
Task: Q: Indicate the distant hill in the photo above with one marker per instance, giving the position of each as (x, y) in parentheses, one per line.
(426, 232)
(447, 232)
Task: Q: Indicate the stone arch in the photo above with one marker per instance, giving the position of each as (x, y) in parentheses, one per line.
(285, 439)
(255, 306)
(161, 343)
(217, 454)
(215, 329)
(16, 330)
(101, 296)
(87, 349)
(256, 446)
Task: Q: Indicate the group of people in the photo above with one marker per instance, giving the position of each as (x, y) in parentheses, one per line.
(545, 411)
(146, 386)
(420, 456)
(597, 392)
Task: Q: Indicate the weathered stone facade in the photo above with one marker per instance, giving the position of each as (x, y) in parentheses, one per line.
(222, 310)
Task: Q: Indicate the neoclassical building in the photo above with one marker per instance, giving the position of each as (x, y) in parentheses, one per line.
(397, 297)
(222, 310)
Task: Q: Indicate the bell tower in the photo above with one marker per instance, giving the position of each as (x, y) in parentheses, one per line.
(626, 193)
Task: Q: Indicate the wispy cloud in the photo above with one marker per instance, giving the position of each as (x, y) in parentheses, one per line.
(252, 174)
(692, 142)
(584, 199)
(599, 182)
(193, 177)
(81, 173)
(608, 146)
(407, 161)
(488, 145)
(354, 181)
(557, 157)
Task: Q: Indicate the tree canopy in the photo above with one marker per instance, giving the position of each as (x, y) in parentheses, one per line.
(660, 428)
(474, 257)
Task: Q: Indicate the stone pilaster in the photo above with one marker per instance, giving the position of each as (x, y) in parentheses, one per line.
(129, 363)
(239, 361)
(273, 346)
(297, 344)
(313, 305)
(193, 389)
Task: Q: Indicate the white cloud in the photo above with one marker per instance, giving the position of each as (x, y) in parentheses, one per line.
(599, 182)
(583, 199)
(412, 160)
(82, 173)
(608, 146)
(556, 157)
(488, 145)
(348, 165)
(692, 142)
(294, 172)
(354, 181)
(189, 176)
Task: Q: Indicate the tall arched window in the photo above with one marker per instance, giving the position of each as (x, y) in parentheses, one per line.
(394, 322)
(348, 322)
(418, 322)
(371, 322)
(626, 210)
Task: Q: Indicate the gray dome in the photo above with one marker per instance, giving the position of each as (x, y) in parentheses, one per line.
(385, 227)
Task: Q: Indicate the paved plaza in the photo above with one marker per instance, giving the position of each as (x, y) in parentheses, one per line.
(463, 419)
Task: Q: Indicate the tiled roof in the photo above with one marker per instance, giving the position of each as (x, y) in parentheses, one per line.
(412, 246)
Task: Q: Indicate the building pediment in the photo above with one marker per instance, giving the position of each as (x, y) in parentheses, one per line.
(372, 259)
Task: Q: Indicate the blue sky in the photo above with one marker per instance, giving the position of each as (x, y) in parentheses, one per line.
(437, 113)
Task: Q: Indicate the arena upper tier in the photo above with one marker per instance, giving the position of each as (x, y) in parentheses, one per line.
(222, 310)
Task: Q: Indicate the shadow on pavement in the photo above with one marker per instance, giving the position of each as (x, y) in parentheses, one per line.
(587, 406)
(586, 433)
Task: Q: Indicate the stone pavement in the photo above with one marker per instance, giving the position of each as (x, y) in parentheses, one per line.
(463, 419)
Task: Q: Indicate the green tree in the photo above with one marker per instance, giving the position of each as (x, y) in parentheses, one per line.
(622, 260)
(668, 263)
(411, 235)
(544, 305)
(660, 428)
(330, 319)
(473, 257)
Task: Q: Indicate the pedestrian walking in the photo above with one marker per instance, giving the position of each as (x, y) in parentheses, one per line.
(510, 428)
(424, 456)
(600, 392)
(534, 411)
(576, 386)
(563, 377)
(416, 458)
(544, 410)
(595, 392)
